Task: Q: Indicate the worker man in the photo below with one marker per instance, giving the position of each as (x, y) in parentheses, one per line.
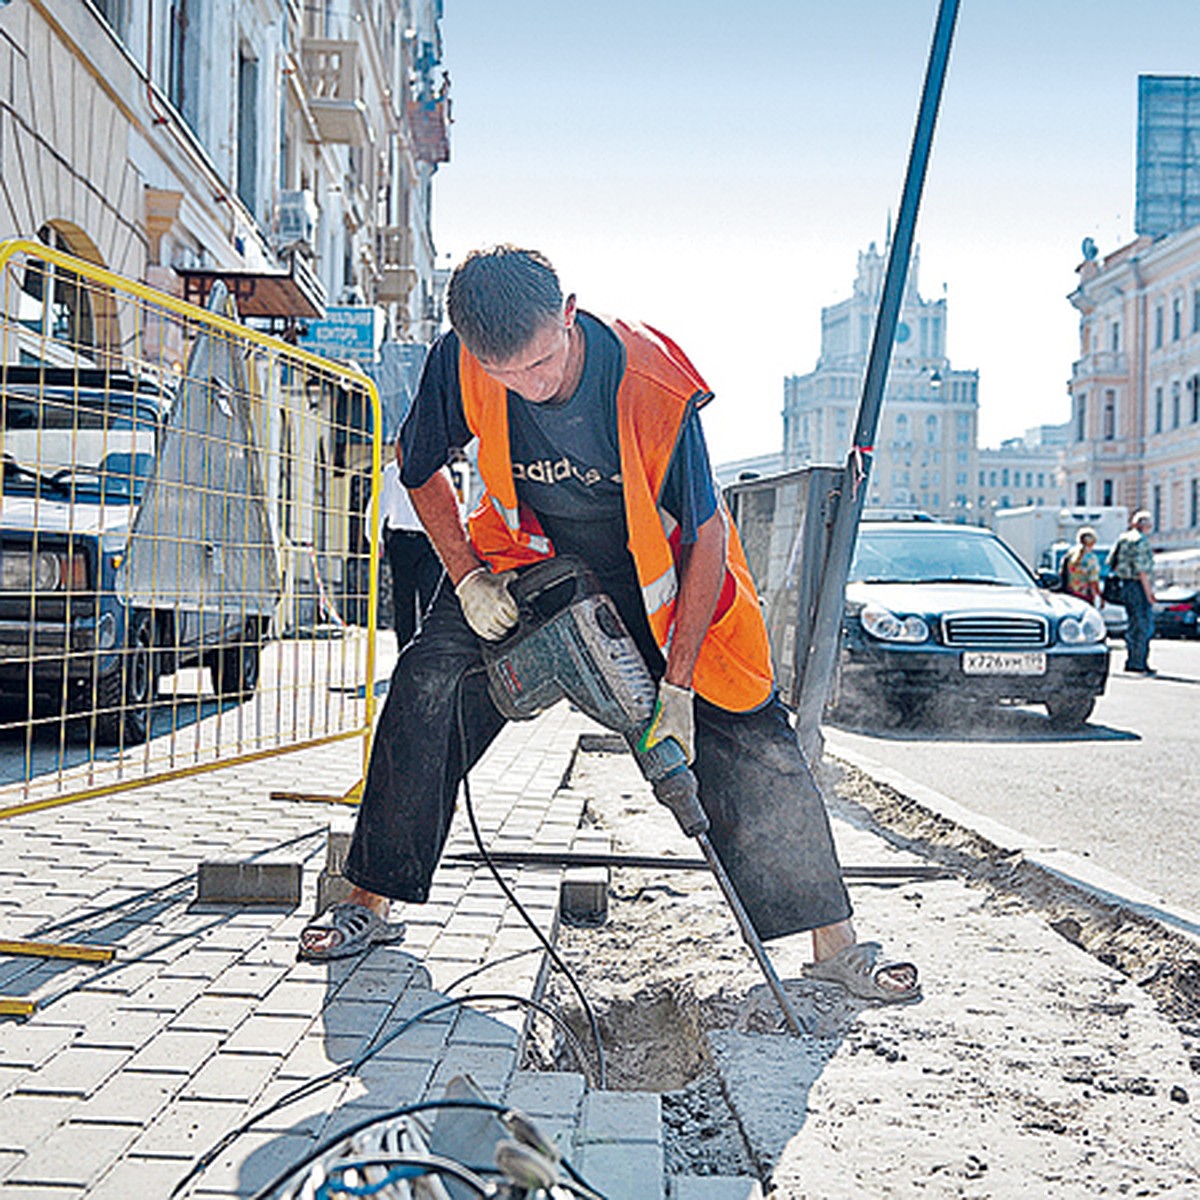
(1132, 562)
(590, 443)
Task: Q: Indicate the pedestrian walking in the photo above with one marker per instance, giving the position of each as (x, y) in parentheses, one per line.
(1132, 561)
(415, 566)
(590, 444)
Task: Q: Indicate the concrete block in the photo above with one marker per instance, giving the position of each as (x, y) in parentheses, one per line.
(716, 1187)
(623, 1171)
(332, 888)
(612, 1117)
(277, 883)
(337, 846)
(583, 895)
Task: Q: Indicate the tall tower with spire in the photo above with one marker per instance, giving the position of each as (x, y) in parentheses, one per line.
(926, 447)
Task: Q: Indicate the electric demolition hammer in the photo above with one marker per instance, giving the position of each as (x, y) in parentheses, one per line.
(570, 642)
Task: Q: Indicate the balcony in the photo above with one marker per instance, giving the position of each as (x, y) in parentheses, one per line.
(333, 83)
(429, 124)
(397, 275)
(1101, 364)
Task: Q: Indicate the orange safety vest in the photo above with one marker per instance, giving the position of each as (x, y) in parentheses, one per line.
(658, 388)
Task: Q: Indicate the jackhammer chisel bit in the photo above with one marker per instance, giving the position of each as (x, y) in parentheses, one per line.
(571, 642)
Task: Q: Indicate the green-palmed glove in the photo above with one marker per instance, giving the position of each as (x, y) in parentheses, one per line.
(674, 717)
(487, 603)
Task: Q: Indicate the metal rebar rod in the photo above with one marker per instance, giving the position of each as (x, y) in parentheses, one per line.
(656, 862)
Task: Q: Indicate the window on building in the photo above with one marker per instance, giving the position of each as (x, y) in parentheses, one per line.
(247, 131)
(1110, 414)
(55, 302)
(1114, 336)
(1176, 318)
(1196, 310)
(1081, 492)
(1157, 506)
(1004, 477)
(1081, 416)
(1193, 387)
(1176, 404)
(931, 429)
(1041, 479)
(1194, 506)
(983, 479)
(1158, 327)
(1158, 410)
(1107, 492)
(991, 479)
(183, 60)
(116, 13)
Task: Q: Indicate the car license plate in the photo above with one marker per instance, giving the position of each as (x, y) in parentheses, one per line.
(1004, 662)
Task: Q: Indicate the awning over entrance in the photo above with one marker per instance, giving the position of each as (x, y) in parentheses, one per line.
(279, 294)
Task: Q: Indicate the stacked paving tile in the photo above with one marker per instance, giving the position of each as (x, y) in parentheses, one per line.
(128, 1072)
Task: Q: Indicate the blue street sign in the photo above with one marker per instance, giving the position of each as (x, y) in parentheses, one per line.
(348, 331)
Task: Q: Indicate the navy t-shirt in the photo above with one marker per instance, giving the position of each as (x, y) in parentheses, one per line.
(566, 459)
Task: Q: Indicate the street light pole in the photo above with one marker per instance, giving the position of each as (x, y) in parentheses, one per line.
(826, 628)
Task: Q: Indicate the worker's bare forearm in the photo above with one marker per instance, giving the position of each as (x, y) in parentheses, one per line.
(437, 506)
(701, 574)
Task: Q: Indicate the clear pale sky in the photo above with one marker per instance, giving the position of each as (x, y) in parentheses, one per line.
(715, 168)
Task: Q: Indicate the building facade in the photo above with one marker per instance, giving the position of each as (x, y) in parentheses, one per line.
(925, 448)
(1023, 471)
(1135, 388)
(266, 141)
(286, 149)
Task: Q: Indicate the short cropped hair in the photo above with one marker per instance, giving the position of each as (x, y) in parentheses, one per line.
(500, 298)
(1087, 532)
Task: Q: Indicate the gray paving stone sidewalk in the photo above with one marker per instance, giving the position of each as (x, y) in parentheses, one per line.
(129, 1071)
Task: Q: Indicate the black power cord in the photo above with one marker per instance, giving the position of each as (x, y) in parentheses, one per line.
(372, 1048)
(555, 957)
(311, 1086)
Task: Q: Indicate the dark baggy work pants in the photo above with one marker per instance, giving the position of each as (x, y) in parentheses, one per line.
(769, 825)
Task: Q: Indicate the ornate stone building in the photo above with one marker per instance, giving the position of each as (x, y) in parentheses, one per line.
(285, 147)
(1135, 388)
(925, 449)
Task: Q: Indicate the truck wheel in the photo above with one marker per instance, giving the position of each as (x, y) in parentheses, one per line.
(1071, 710)
(234, 669)
(125, 695)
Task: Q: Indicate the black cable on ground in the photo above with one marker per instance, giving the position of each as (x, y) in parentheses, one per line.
(555, 957)
(310, 1086)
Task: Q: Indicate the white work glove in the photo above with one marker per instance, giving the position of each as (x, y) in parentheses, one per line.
(673, 718)
(487, 603)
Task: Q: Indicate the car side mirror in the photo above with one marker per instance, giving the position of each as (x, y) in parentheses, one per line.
(1049, 580)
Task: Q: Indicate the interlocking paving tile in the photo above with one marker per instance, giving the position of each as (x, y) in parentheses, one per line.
(74, 1154)
(130, 1097)
(232, 1077)
(75, 1072)
(187, 1128)
(176, 1052)
(26, 1119)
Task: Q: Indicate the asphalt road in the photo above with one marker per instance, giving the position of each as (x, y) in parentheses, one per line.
(1123, 792)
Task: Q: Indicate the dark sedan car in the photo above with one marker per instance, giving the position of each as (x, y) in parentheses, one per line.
(1177, 611)
(949, 613)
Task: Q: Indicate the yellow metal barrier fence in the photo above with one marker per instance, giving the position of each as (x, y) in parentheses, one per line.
(188, 574)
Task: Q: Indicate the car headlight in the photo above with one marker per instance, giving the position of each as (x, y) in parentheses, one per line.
(1082, 629)
(884, 624)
